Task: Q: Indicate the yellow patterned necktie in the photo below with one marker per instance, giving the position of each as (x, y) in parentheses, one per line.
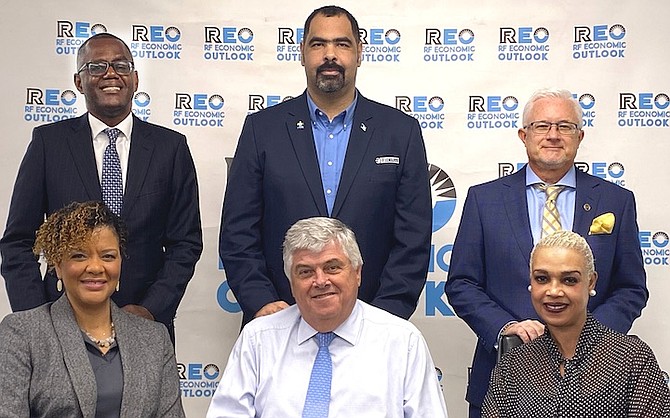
(551, 219)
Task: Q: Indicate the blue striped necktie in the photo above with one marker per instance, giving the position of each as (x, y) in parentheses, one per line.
(317, 400)
(112, 183)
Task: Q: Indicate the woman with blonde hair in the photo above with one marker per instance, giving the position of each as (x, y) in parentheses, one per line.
(578, 367)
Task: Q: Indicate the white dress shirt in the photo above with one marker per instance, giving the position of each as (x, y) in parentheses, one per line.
(101, 140)
(381, 368)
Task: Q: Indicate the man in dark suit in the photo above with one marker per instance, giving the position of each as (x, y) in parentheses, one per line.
(63, 164)
(502, 219)
(328, 152)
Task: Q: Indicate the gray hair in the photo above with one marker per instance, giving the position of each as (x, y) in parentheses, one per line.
(569, 240)
(552, 93)
(315, 233)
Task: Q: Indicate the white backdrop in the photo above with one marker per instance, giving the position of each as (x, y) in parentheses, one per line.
(464, 69)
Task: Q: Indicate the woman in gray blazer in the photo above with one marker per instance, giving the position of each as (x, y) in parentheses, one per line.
(82, 356)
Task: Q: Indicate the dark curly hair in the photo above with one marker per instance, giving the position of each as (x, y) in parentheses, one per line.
(69, 228)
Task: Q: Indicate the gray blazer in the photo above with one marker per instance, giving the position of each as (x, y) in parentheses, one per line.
(45, 370)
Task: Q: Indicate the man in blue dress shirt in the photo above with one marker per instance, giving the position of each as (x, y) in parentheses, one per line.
(329, 354)
(328, 152)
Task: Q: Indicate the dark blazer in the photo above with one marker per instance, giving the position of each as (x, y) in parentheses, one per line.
(45, 370)
(489, 269)
(160, 208)
(275, 181)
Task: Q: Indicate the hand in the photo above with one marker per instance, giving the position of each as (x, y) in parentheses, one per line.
(527, 330)
(271, 308)
(139, 310)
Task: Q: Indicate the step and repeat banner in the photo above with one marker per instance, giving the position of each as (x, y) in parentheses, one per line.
(463, 69)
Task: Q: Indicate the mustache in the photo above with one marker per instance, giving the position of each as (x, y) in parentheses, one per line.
(328, 66)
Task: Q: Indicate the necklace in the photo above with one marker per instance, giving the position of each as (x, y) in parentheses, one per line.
(105, 342)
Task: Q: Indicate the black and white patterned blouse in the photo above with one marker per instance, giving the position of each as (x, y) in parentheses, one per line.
(611, 375)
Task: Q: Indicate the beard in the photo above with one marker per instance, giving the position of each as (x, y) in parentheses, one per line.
(330, 83)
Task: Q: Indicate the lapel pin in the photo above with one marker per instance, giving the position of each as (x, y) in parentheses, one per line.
(300, 125)
(363, 127)
(587, 207)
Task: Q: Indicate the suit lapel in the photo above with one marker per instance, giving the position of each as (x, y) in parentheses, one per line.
(74, 355)
(80, 145)
(516, 206)
(132, 403)
(299, 128)
(141, 150)
(362, 129)
(586, 202)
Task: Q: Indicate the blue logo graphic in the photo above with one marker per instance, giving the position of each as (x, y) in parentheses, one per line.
(199, 110)
(70, 35)
(443, 193)
(288, 43)
(428, 111)
(644, 110)
(380, 45)
(226, 299)
(259, 102)
(612, 172)
(49, 105)
(141, 100)
(228, 44)
(654, 246)
(156, 42)
(523, 44)
(198, 381)
(587, 102)
(493, 112)
(436, 299)
(448, 44)
(599, 41)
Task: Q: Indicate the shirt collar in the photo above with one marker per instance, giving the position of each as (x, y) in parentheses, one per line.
(349, 330)
(348, 112)
(588, 337)
(568, 180)
(97, 126)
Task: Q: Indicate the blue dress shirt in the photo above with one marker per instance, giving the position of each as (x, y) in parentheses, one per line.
(331, 139)
(537, 198)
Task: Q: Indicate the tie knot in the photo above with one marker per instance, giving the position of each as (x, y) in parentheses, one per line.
(550, 191)
(112, 134)
(324, 338)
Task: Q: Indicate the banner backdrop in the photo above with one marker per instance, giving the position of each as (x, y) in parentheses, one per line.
(463, 69)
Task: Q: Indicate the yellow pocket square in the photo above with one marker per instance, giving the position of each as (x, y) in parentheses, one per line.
(603, 224)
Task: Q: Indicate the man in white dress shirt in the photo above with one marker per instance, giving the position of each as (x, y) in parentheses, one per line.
(381, 366)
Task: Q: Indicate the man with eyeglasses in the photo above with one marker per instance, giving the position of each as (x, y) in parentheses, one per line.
(143, 172)
(504, 218)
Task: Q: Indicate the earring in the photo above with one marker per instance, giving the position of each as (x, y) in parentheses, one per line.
(592, 292)
(59, 285)
(117, 285)
(529, 288)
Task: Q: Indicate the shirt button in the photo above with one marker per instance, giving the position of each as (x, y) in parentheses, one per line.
(330, 163)
(328, 191)
(330, 136)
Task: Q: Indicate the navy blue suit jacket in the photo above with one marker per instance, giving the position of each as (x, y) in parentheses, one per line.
(489, 269)
(160, 208)
(275, 180)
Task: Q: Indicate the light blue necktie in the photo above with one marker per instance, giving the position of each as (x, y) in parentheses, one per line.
(318, 392)
(112, 183)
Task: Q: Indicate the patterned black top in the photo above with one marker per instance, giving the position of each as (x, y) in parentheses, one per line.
(611, 375)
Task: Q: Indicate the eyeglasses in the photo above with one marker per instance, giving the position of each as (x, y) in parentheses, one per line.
(543, 127)
(100, 67)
